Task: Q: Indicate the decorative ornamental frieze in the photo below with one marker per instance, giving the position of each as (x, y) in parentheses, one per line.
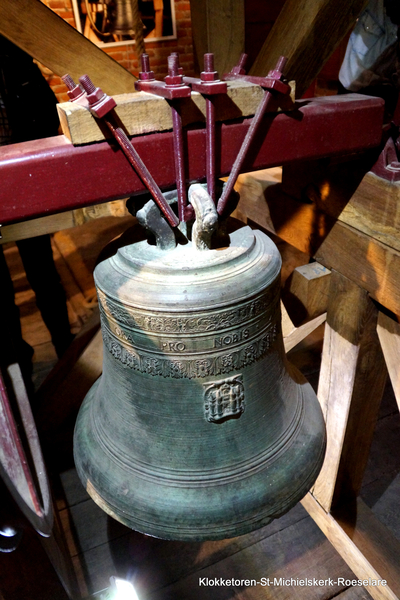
(193, 367)
(214, 321)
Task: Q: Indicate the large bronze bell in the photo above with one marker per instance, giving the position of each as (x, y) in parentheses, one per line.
(199, 428)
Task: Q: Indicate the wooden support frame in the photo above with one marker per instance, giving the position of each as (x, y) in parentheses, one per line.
(35, 28)
(218, 27)
(351, 384)
(359, 340)
(366, 545)
(307, 33)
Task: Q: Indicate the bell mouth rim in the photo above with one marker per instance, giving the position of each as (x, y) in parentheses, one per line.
(213, 531)
(207, 532)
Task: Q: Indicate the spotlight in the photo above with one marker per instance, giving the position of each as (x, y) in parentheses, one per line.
(10, 537)
(120, 589)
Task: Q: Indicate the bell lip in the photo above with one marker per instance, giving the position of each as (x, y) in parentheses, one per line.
(208, 533)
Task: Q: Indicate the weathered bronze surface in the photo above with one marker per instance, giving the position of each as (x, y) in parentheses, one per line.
(198, 428)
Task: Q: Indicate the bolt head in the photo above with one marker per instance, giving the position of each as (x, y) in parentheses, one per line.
(95, 96)
(146, 75)
(100, 109)
(209, 76)
(76, 92)
(174, 80)
(275, 74)
(238, 70)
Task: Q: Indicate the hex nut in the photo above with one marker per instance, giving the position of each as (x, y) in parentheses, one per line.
(101, 108)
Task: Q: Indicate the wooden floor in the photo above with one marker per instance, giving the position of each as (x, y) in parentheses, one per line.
(290, 548)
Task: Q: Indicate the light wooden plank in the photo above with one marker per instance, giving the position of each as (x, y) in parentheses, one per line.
(354, 593)
(86, 526)
(144, 113)
(389, 336)
(374, 209)
(306, 292)
(350, 387)
(300, 333)
(369, 549)
(369, 384)
(345, 191)
(366, 261)
(280, 557)
(65, 220)
(218, 26)
(294, 335)
(35, 28)
(307, 32)
(35, 227)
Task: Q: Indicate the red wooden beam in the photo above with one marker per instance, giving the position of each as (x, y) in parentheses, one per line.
(51, 175)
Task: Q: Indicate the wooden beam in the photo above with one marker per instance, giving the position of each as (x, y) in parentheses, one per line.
(347, 192)
(369, 384)
(307, 32)
(350, 388)
(294, 335)
(374, 209)
(372, 265)
(313, 229)
(144, 113)
(305, 294)
(40, 226)
(218, 27)
(366, 545)
(389, 336)
(65, 220)
(52, 41)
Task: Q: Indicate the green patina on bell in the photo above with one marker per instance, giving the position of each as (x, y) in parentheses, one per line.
(199, 428)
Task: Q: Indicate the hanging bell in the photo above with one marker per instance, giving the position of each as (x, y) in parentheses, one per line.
(123, 22)
(198, 428)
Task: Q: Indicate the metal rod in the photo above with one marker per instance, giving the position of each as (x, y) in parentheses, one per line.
(179, 160)
(210, 148)
(173, 72)
(210, 130)
(127, 148)
(257, 119)
(143, 172)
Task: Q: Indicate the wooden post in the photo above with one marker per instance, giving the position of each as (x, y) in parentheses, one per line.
(218, 27)
(307, 32)
(352, 379)
(306, 292)
(366, 545)
(389, 336)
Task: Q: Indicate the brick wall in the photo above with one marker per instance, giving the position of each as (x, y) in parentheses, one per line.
(126, 55)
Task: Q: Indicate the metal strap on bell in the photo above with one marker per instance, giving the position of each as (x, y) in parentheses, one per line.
(198, 428)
